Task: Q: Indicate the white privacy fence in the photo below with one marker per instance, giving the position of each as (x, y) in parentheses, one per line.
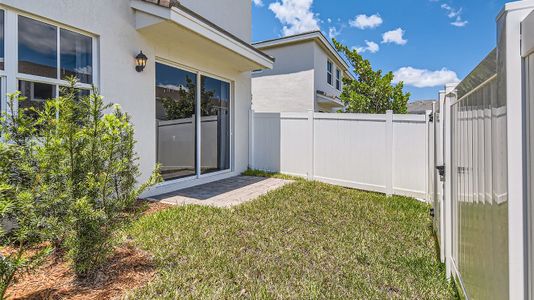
(383, 153)
(484, 202)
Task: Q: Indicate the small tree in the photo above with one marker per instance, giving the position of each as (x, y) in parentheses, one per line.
(370, 92)
(21, 221)
(68, 177)
(88, 150)
(103, 181)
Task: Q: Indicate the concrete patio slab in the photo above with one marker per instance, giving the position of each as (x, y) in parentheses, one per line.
(224, 193)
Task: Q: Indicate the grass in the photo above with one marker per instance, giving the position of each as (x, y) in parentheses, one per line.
(307, 240)
(261, 173)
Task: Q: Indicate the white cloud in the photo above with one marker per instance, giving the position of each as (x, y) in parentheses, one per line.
(422, 78)
(371, 47)
(258, 2)
(333, 32)
(459, 22)
(295, 15)
(394, 36)
(364, 21)
(455, 14)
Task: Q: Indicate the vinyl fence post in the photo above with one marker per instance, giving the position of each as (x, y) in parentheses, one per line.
(311, 121)
(450, 97)
(427, 153)
(251, 163)
(389, 153)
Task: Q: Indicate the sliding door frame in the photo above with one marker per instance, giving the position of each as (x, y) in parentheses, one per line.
(198, 124)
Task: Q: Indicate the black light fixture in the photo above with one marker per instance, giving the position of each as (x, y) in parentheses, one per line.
(140, 62)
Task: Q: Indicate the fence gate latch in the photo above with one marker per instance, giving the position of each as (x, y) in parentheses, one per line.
(441, 170)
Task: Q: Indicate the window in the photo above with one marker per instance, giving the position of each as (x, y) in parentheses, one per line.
(38, 51)
(53, 54)
(2, 55)
(37, 48)
(329, 67)
(36, 94)
(338, 79)
(215, 122)
(76, 56)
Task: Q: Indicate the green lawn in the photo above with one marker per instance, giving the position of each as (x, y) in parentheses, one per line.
(307, 240)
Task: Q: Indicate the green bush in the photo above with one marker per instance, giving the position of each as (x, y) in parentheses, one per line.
(73, 168)
(22, 224)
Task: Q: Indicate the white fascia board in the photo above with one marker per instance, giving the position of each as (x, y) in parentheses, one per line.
(201, 28)
(510, 6)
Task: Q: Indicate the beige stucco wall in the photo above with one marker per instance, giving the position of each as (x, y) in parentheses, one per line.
(113, 24)
(289, 86)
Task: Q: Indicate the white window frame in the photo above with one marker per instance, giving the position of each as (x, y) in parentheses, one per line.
(330, 72)
(11, 60)
(339, 82)
(198, 127)
(3, 74)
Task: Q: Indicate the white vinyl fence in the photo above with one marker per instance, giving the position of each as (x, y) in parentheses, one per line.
(383, 153)
(484, 148)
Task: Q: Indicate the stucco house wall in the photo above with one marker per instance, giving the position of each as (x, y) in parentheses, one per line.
(235, 16)
(299, 72)
(113, 25)
(288, 87)
(321, 57)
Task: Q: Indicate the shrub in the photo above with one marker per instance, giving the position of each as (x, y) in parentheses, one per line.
(102, 177)
(21, 220)
(68, 175)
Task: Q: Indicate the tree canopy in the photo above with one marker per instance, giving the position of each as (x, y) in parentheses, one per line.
(370, 92)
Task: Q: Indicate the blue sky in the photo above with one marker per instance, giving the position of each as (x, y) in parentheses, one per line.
(426, 42)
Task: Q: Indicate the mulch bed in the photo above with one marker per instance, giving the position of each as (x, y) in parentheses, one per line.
(127, 269)
(153, 207)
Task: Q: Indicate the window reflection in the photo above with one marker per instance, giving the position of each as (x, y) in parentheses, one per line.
(329, 67)
(215, 122)
(36, 95)
(37, 46)
(175, 117)
(76, 56)
(1, 40)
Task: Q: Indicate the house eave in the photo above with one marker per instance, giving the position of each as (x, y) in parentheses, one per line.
(148, 14)
(323, 98)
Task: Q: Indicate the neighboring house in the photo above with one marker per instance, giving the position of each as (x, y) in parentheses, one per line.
(420, 107)
(307, 75)
(199, 64)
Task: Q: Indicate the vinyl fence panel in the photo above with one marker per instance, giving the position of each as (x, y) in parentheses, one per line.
(382, 153)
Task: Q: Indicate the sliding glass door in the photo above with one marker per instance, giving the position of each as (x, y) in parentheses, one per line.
(179, 130)
(215, 125)
(175, 120)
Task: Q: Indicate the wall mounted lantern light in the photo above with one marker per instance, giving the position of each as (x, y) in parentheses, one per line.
(140, 62)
